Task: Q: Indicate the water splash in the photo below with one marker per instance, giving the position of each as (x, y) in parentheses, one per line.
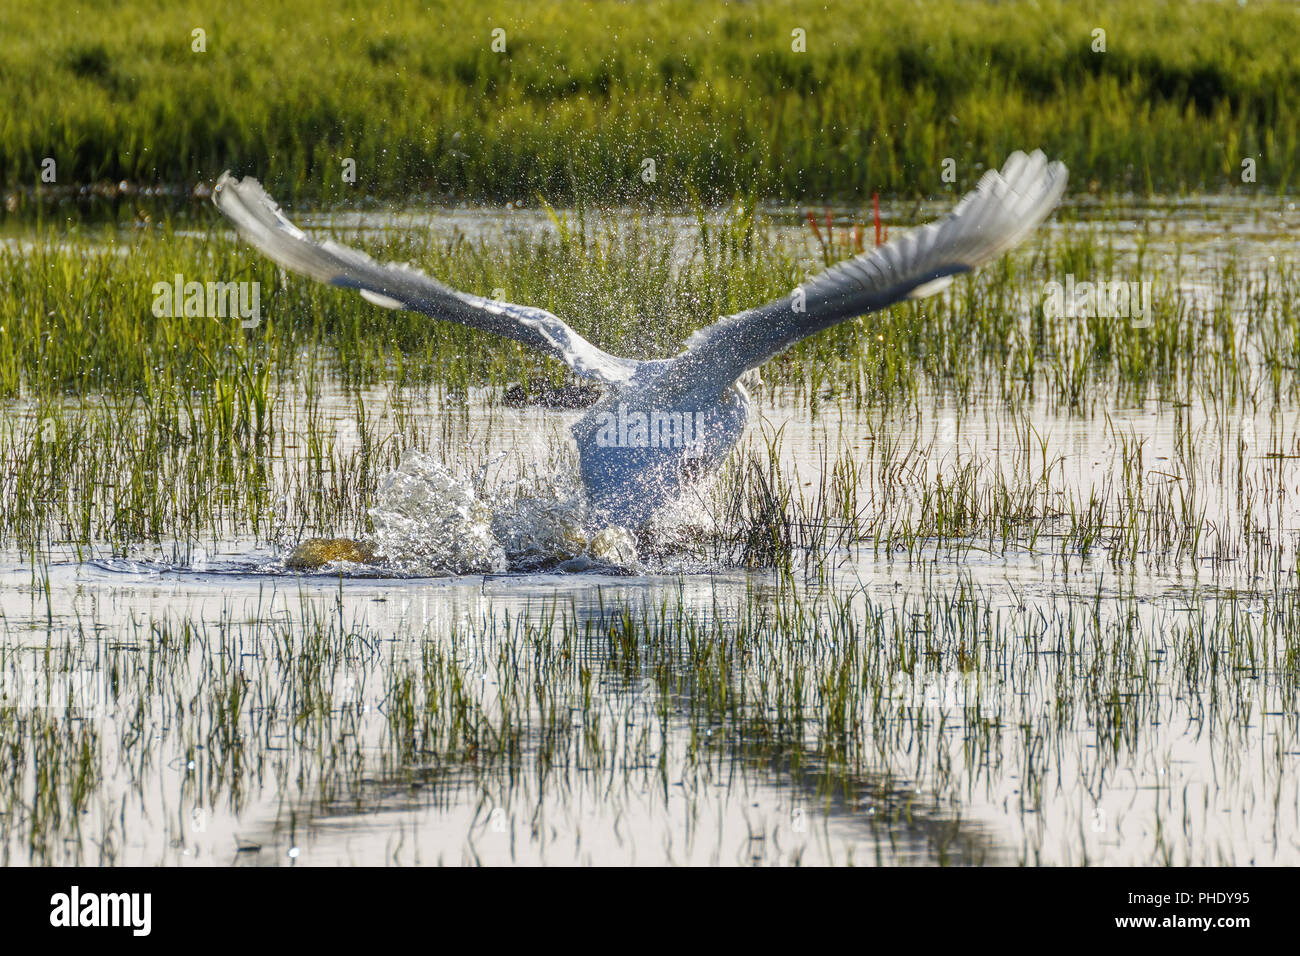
(431, 522)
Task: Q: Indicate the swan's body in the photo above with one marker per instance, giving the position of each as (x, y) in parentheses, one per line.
(694, 409)
(629, 478)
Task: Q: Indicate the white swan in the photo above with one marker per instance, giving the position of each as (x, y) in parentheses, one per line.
(664, 422)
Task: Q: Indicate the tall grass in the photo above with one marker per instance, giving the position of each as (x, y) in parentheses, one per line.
(584, 93)
(76, 316)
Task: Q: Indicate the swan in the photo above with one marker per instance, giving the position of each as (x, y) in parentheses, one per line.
(663, 423)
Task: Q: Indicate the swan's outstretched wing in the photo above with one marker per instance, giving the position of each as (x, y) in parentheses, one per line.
(1001, 211)
(260, 221)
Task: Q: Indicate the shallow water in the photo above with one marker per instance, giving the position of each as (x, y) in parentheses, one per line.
(662, 805)
(232, 712)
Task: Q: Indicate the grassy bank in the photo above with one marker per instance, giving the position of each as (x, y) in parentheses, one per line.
(584, 94)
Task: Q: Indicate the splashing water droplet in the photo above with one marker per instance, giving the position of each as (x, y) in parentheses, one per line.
(427, 522)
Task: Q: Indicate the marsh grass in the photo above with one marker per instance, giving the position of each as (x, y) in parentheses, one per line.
(76, 317)
(416, 96)
(887, 712)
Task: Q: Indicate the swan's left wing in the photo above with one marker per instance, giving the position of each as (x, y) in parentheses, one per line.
(1000, 212)
(260, 221)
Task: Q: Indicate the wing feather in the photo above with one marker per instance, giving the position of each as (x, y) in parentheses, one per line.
(260, 221)
(999, 213)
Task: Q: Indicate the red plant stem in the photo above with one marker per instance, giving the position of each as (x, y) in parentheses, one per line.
(812, 221)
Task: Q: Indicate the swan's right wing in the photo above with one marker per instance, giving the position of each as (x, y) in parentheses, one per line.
(1001, 211)
(260, 221)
